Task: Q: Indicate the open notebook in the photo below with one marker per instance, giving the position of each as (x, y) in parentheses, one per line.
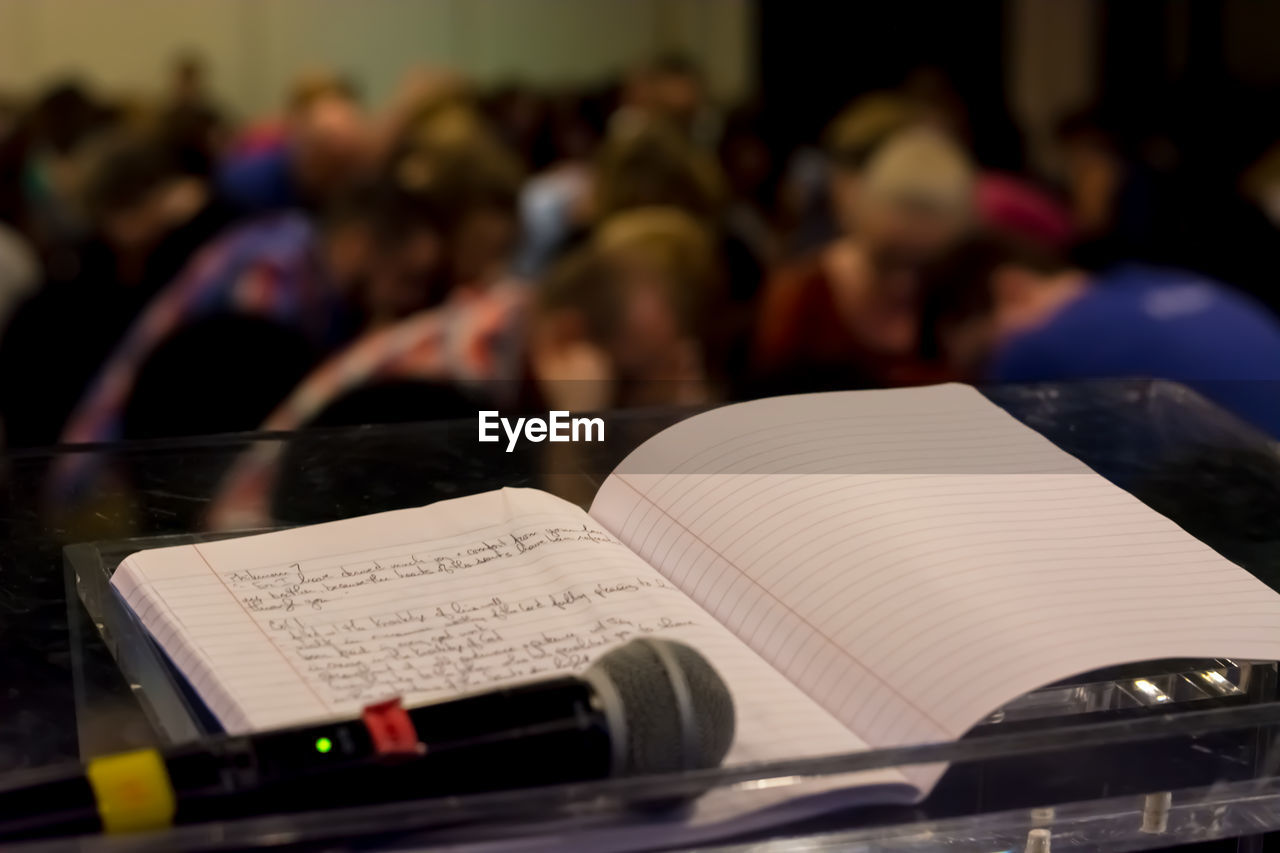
(865, 569)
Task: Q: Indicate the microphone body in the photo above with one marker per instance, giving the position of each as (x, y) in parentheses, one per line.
(641, 708)
(534, 734)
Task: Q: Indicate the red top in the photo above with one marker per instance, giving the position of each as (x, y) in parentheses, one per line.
(803, 329)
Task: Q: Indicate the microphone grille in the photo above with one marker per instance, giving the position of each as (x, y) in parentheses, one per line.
(675, 709)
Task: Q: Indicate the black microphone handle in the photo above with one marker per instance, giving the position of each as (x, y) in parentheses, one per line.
(47, 800)
(538, 733)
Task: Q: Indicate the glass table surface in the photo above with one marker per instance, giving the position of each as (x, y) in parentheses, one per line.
(1117, 776)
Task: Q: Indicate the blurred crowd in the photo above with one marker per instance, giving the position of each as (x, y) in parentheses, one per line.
(166, 269)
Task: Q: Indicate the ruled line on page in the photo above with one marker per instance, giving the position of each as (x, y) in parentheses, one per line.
(851, 659)
(714, 592)
(183, 640)
(925, 579)
(320, 699)
(154, 612)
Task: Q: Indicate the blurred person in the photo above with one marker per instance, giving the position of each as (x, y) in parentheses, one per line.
(476, 207)
(147, 218)
(641, 164)
(520, 116)
(420, 368)
(752, 172)
(10, 113)
(19, 273)
(1001, 310)
(1001, 200)
(149, 213)
(651, 165)
(616, 324)
(556, 202)
(576, 123)
(191, 122)
(67, 114)
(374, 255)
(1261, 183)
(455, 158)
(806, 205)
(1114, 198)
(14, 140)
(1015, 205)
(670, 88)
(421, 90)
(327, 144)
(934, 98)
(450, 124)
(188, 84)
(848, 315)
(43, 162)
(678, 92)
(481, 230)
(270, 132)
(648, 163)
(624, 322)
(992, 136)
(1134, 199)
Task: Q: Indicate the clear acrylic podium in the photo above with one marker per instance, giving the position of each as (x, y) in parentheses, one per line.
(1141, 757)
(1130, 758)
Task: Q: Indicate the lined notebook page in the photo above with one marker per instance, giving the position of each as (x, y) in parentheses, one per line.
(913, 559)
(427, 603)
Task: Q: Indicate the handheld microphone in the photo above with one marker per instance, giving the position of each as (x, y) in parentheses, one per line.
(648, 706)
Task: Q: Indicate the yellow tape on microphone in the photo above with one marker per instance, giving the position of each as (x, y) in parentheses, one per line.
(132, 790)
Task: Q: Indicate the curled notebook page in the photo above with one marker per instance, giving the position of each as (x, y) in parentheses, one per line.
(913, 559)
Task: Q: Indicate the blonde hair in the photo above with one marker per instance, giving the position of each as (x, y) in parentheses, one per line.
(316, 84)
(855, 134)
(649, 163)
(450, 122)
(452, 155)
(922, 167)
(676, 244)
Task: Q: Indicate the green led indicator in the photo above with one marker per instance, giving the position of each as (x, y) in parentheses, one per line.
(323, 745)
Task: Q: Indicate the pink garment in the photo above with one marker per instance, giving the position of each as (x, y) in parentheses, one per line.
(260, 136)
(474, 338)
(1014, 205)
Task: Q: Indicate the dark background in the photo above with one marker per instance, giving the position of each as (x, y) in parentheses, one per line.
(1206, 73)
